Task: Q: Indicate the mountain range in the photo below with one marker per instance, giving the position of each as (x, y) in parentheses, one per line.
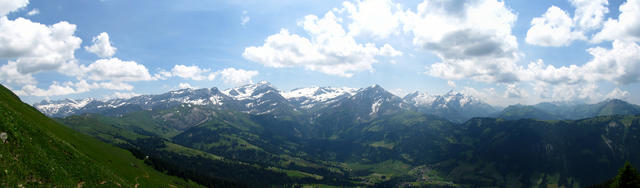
(263, 98)
(568, 111)
(257, 135)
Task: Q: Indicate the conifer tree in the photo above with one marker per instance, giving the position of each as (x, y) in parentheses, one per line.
(628, 177)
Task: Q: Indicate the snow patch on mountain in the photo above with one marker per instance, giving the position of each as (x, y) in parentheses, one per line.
(64, 106)
(310, 97)
(375, 107)
(248, 92)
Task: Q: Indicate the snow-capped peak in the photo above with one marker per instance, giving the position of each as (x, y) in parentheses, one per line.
(249, 91)
(62, 106)
(311, 96)
(318, 93)
(420, 99)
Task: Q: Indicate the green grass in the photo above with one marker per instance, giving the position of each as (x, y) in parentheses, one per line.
(383, 144)
(382, 171)
(41, 152)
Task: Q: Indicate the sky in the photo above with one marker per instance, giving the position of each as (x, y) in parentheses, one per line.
(503, 52)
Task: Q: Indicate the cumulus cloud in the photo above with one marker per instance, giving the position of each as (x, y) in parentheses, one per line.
(32, 47)
(626, 27)
(53, 90)
(115, 86)
(8, 6)
(101, 46)
(189, 72)
(539, 71)
(468, 45)
(123, 95)
(236, 76)
(33, 12)
(68, 88)
(554, 28)
(617, 93)
(620, 64)
(228, 75)
(114, 69)
(37, 47)
(184, 86)
(567, 92)
(513, 91)
(589, 14)
(9, 74)
(330, 49)
(379, 18)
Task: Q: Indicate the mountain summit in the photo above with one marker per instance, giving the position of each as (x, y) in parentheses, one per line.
(366, 103)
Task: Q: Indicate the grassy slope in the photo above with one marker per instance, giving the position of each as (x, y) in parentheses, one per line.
(40, 151)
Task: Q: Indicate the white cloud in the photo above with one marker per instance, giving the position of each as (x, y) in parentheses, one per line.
(620, 64)
(189, 72)
(554, 28)
(587, 92)
(244, 19)
(451, 84)
(379, 18)
(329, 49)
(538, 71)
(123, 95)
(101, 46)
(116, 86)
(9, 74)
(472, 38)
(617, 93)
(236, 76)
(185, 86)
(37, 47)
(84, 86)
(53, 90)
(7, 6)
(589, 14)
(489, 95)
(68, 88)
(33, 12)
(512, 91)
(626, 27)
(114, 69)
(33, 47)
(229, 75)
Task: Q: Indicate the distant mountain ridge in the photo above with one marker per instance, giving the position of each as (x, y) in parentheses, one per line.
(566, 111)
(453, 105)
(263, 98)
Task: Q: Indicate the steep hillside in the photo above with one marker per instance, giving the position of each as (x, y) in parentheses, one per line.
(40, 152)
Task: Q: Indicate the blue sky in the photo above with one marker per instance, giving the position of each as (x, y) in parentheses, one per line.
(425, 46)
